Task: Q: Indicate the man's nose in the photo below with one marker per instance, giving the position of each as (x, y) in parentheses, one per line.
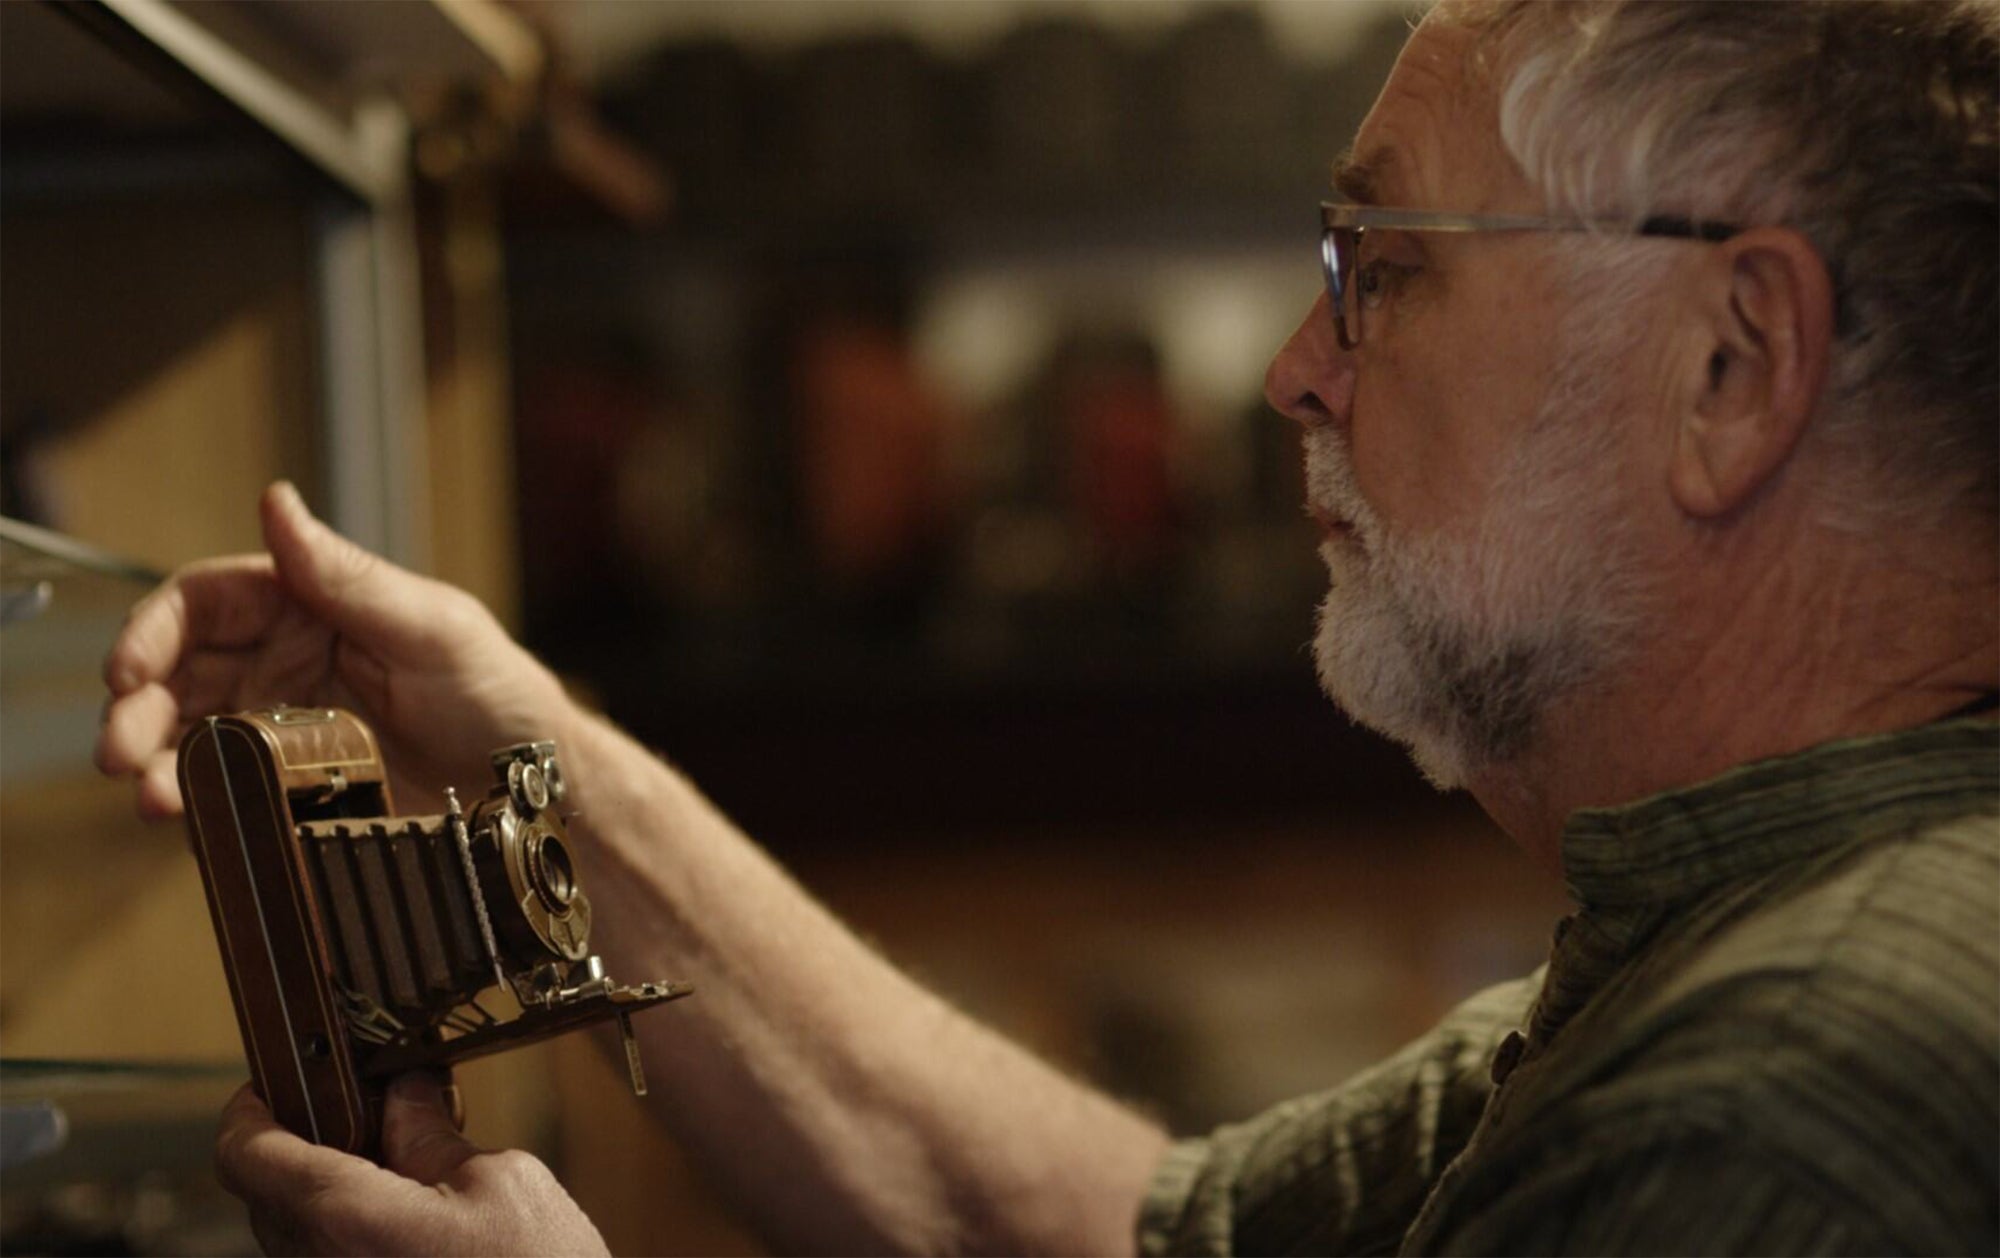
(1312, 379)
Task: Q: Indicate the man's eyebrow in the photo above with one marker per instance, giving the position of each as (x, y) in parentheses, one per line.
(1359, 179)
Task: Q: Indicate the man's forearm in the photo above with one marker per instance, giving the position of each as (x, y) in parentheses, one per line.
(840, 1104)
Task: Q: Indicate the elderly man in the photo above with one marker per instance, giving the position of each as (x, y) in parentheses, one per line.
(1650, 418)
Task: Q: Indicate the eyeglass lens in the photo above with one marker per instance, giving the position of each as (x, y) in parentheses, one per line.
(1337, 249)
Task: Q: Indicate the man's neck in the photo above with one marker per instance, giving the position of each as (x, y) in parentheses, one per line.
(1747, 670)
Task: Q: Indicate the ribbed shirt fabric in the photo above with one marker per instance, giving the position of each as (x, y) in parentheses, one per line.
(1772, 1026)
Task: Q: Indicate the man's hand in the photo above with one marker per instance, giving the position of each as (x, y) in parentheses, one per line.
(441, 1194)
(321, 622)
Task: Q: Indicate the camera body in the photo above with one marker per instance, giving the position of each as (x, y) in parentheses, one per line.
(359, 943)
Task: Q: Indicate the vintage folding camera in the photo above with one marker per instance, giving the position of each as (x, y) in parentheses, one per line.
(359, 943)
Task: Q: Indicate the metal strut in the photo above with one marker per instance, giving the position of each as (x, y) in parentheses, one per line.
(455, 819)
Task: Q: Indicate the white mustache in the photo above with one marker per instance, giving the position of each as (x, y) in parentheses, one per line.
(1330, 486)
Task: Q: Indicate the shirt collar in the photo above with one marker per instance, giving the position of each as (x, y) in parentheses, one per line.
(1756, 817)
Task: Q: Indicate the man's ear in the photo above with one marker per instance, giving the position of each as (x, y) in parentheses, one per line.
(1768, 333)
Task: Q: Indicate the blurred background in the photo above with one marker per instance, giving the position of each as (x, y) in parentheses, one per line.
(860, 401)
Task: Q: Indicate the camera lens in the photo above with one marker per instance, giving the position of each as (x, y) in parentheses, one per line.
(554, 877)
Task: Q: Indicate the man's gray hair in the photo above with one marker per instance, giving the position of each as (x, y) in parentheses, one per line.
(1871, 126)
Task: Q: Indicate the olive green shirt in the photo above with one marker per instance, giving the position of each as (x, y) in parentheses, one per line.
(1773, 1026)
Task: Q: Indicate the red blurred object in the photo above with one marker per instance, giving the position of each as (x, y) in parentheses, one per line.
(871, 438)
(1121, 427)
(578, 419)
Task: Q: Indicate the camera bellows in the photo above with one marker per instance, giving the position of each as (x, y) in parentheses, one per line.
(404, 934)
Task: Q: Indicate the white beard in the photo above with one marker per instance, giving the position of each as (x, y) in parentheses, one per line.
(1457, 643)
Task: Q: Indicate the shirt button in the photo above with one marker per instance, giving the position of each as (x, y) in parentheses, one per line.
(1508, 1056)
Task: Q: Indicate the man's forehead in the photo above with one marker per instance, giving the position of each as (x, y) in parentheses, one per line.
(1432, 140)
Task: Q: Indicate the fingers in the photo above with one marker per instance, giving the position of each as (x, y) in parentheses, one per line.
(262, 1163)
(356, 591)
(305, 1199)
(215, 603)
(160, 787)
(420, 1136)
(140, 726)
(155, 715)
(135, 726)
(137, 738)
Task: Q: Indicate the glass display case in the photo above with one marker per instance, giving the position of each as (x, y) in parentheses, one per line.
(117, 1044)
(213, 254)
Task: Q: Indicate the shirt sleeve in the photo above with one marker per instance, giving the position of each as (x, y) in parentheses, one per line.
(1341, 1171)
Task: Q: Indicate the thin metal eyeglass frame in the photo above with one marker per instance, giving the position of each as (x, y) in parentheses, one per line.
(1342, 227)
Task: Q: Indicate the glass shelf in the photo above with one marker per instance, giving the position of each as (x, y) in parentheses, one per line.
(29, 552)
(63, 602)
(49, 1076)
(87, 1110)
(104, 932)
(114, 1156)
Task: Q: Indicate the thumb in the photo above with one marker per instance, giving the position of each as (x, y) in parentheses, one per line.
(353, 589)
(420, 1139)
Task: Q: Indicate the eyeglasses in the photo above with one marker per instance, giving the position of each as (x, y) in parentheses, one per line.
(1354, 282)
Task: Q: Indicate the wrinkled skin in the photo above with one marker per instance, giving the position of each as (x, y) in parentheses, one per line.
(440, 1193)
(320, 621)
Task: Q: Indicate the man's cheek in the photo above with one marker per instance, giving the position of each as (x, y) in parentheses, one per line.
(1405, 463)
